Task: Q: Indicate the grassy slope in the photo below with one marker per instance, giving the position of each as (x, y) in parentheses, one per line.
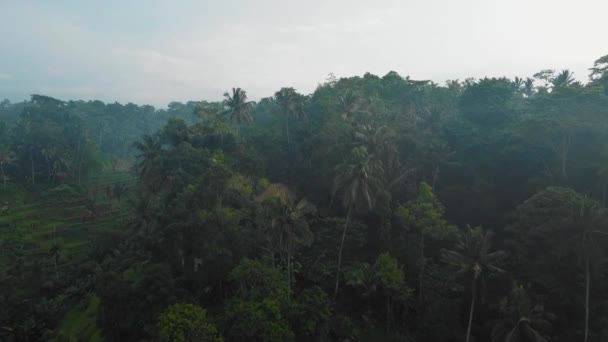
(80, 323)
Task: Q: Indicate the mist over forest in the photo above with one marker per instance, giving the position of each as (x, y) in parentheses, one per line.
(377, 208)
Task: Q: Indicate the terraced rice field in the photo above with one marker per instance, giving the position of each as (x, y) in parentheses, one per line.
(69, 217)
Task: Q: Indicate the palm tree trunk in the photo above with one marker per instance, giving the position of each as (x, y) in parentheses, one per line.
(421, 274)
(564, 156)
(56, 252)
(288, 275)
(32, 164)
(287, 128)
(510, 335)
(3, 175)
(474, 292)
(587, 281)
(56, 266)
(388, 312)
(435, 177)
(79, 156)
(49, 170)
(341, 249)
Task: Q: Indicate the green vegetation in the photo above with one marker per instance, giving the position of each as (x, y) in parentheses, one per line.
(186, 322)
(376, 208)
(80, 323)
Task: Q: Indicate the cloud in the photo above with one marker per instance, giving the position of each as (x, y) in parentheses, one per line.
(157, 53)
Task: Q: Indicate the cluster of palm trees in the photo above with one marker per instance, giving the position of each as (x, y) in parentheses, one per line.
(371, 167)
(238, 108)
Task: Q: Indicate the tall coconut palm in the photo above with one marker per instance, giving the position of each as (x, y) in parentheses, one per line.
(48, 153)
(356, 181)
(7, 157)
(61, 165)
(237, 107)
(150, 161)
(473, 257)
(292, 105)
(150, 152)
(381, 142)
(291, 227)
(594, 220)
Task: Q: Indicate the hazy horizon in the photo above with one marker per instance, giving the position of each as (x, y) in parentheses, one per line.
(156, 52)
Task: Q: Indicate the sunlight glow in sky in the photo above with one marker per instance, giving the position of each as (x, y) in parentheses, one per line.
(155, 52)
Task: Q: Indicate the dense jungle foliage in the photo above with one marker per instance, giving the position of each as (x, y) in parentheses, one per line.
(374, 209)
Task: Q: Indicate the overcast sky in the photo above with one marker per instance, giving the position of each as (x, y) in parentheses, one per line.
(155, 52)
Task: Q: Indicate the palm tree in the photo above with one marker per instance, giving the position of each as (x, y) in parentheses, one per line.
(150, 149)
(528, 87)
(291, 104)
(593, 218)
(48, 153)
(7, 157)
(518, 83)
(349, 104)
(60, 163)
(375, 139)
(356, 181)
(292, 228)
(520, 319)
(563, 79)
(237, 106)
(473, 257)
(381, 142)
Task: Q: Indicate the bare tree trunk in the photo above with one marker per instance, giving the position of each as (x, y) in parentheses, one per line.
(340, 252)
(472, 308)
(587, 281)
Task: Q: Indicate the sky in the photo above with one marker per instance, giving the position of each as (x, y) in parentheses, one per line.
(155, 52)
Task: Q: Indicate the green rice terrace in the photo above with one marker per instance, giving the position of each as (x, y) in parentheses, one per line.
(63, 221)
(54, 230)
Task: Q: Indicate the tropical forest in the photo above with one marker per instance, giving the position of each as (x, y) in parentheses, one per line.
(376, 208)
